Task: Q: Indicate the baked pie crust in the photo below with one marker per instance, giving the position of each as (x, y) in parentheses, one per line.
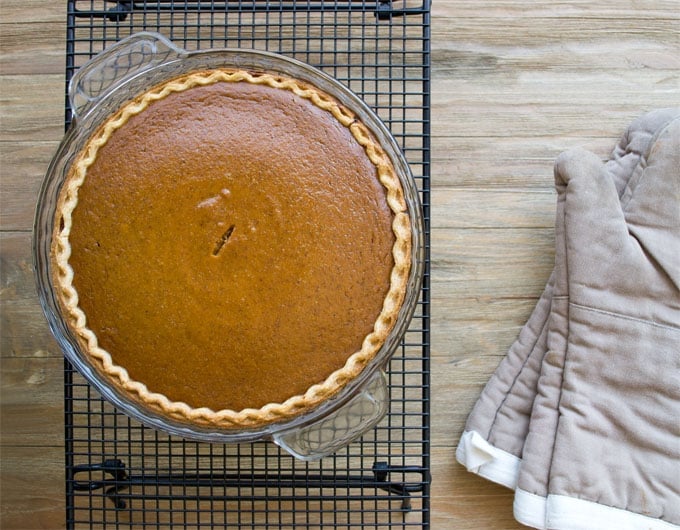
(245, 417)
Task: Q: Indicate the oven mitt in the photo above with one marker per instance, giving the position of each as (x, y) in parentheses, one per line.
(495, 431)
(603, 448)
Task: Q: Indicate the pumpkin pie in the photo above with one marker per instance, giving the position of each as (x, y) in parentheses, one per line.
(231, 248)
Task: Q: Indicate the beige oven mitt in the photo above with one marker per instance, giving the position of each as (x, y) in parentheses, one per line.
(495, 431)
(603, 448)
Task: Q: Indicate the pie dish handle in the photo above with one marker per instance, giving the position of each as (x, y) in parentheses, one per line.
(338, 429)
(120, 62)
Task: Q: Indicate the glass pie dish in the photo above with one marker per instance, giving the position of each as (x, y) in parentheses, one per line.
(96, 92)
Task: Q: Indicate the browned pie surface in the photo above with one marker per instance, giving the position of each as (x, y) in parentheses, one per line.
(231, 246)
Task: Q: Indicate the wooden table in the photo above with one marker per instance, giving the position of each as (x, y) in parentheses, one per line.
(514, 83)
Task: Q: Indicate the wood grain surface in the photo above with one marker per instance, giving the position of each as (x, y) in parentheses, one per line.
(514, 83)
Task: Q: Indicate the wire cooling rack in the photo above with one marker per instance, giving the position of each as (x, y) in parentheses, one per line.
(120, 474)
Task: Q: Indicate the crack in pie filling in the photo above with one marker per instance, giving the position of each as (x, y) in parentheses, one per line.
(231, 248)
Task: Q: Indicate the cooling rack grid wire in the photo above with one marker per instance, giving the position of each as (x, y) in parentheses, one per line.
(120, 474)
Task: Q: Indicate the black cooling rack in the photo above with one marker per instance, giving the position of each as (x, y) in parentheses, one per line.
(120, 474)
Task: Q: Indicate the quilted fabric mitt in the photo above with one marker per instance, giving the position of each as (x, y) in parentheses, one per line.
(603, 449)
(496, 429)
